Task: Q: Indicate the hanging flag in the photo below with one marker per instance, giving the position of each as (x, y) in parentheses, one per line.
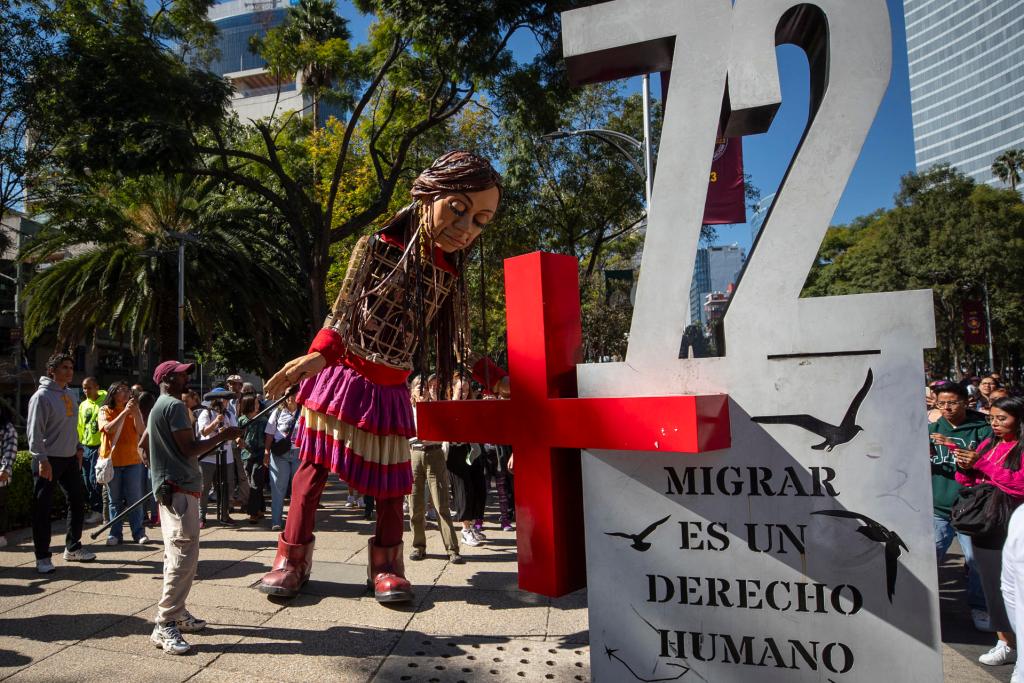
(974, 323)
(726, 202)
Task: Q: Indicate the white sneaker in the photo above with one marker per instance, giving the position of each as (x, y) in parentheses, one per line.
(80, 555)
(111, 540)
(981, 620)
(189, 624)
(469, 538)
(44, 566)
(169, 638)
(999, 655)
(350, 502)
(93, 518)
(143, 540)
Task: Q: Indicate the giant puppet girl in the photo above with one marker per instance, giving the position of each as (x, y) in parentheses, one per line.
(402, 294)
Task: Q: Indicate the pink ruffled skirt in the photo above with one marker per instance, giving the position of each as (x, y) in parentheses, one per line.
(358, 429)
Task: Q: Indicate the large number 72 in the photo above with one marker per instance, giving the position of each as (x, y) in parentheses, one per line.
(722, 58)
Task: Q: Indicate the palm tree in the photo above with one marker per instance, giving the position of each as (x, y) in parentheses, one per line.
(313, 24)
(108, 263)
(1008, 167)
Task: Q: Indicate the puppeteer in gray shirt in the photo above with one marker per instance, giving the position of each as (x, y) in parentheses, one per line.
(166, 461)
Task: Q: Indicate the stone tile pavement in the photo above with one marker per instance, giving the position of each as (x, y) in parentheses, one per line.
(91, 622)
(468, 622)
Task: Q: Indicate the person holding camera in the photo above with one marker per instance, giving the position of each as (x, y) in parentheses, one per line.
(281, 456)
(177, 481)
(218, 466)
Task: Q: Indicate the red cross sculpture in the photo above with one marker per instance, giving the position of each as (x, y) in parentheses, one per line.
(546, 424)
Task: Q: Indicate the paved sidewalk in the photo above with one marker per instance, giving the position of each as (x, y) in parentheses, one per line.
(468, 622)
(91, 622)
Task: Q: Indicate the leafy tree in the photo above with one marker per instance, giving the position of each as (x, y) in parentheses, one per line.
(313, 42)
(22, 45)
(1008, 167)
(413, 75)
(120, 270)
(945, 233)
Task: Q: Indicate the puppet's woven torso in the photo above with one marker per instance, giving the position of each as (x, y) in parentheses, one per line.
(375, 312)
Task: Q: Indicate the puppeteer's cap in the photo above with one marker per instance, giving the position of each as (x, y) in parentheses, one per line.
(234, 378)
(168, 367)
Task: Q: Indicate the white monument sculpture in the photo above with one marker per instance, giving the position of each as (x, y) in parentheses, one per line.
(804, 552)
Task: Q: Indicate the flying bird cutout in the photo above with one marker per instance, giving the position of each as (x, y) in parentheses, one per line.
(834, 435)
(638, 539)
(876, 532)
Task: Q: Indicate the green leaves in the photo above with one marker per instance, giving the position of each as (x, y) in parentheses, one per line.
(946, 233)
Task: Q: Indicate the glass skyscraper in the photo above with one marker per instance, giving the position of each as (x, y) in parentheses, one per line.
(966, 81)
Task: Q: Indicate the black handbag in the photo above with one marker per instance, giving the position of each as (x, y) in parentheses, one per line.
(282, 446)
(981, 511)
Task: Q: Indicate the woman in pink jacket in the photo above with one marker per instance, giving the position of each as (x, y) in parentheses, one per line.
(997, 461)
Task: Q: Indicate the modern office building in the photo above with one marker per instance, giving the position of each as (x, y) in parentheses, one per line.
(966, 81)
(256, 91)
(715, 270)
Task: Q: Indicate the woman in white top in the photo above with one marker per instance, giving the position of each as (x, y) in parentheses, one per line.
(211, 420)
(282, 460)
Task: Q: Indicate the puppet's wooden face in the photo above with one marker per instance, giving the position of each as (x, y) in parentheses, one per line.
(460, 217)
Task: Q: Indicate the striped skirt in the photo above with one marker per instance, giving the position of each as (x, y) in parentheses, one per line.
(357, 429)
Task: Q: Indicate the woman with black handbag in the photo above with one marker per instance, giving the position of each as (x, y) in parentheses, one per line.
(996, 465)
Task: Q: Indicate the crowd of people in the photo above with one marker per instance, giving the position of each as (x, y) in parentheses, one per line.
(977, 488)
(111, 448)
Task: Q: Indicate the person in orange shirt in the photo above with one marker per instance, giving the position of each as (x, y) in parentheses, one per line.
(121, 425)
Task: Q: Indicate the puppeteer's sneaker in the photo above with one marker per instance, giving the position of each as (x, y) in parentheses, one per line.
(143, 539)
(112, 540)
(999, 655)
(93, 518)
(469, 538)
(80, 555)
(189, 624)
(168, 637)
(981, 620)
(44, 566)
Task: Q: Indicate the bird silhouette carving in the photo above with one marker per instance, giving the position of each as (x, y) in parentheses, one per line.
(638, 539)
(833, 435)
(876, 532)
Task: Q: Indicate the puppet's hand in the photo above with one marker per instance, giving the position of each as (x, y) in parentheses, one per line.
(293, 372)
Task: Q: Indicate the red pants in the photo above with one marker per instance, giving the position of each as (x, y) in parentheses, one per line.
(308, 485)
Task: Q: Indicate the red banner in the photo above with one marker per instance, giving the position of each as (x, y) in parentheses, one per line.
(974, 323)
(726, 202)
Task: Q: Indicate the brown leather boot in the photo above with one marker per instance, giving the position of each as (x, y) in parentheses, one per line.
(385, 572)
(291, 569)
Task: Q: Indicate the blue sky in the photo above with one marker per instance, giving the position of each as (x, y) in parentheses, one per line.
(888, 151)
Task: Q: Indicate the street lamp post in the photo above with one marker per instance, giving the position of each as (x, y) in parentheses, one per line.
(616, 140)
(182, 237)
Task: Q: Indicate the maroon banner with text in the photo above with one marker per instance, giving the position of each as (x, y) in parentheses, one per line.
(726, 202)
(974, 323)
